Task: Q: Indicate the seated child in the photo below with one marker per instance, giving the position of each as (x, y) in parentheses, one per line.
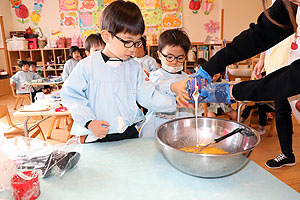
(93, 43)
(148, 63)
(262, 109)
(32, 67)
(19, 79)
(173, 46)
(101, 93)
(74, 58)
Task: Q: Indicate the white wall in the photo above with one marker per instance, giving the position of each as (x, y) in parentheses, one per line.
(236, 18)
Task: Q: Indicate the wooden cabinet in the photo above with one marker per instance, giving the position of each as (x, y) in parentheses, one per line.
(51, 61)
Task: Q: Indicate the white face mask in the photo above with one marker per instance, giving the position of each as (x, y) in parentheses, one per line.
(172, 69)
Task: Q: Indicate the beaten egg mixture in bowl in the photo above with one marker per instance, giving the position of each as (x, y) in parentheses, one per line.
(179, 142)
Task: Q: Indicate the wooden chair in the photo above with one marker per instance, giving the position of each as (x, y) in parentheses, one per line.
(272, 125)
(37, 129)
(19, 97)
(69, 123)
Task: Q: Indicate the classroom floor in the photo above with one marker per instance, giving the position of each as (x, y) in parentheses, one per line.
(267, 149)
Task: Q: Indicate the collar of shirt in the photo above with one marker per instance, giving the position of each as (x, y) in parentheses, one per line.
(180, 72)
(113, 62)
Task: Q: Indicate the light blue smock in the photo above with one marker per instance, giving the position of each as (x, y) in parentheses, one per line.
(97, 91)
(68, 68)
(20, 78)
(154, 119)
(148, 63)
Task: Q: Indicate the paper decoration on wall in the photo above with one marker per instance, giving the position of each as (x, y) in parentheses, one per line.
(100, 4)
(21, 11)
(35, 16)
(86, 31)
(171, 20)
(212, 27)
(195, 5)
(88, 5)
(107, 2)
(207, 6)
(86, 19)
(97, 17)
(171, 5)
(68, 5)
(68, 18)
(152, 34)
(152, 17)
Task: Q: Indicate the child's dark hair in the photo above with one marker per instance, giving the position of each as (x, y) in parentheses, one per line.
(93, 40)
(22, 62)
(143, 39)
(121, 16)
(174, 37)
(72, 50)
(200, 61)
(32, 63)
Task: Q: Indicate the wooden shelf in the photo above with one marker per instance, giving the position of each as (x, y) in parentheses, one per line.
(42, 56)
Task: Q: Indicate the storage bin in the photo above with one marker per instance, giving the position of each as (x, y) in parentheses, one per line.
(17, 44)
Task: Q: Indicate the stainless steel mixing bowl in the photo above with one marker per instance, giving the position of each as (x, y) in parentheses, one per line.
(179, 133)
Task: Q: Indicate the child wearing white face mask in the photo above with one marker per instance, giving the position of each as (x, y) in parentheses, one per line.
(173, 46)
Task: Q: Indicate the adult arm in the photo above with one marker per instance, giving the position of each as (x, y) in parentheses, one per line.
(278, 85)
(258, 38)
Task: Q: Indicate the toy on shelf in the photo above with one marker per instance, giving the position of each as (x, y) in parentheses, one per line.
(74, 41)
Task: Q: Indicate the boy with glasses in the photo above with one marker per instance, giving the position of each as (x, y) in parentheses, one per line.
(101, 93)
(173, 45)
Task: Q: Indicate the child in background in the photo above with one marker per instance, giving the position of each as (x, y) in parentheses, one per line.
(32, 67)
(21, 77)
(148, 63)
(93, 43)
(74, 58)
(101, 93)
(173, 46)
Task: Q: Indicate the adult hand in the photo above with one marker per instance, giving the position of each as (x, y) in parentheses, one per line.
(258, 68)
(99, 128)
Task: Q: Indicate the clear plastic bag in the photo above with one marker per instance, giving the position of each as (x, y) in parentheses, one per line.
(34, 154)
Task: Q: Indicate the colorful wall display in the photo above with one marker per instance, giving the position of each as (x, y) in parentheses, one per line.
(35, 16)
(21, 11)
(68, 18)
(158, 15)
(171, 20)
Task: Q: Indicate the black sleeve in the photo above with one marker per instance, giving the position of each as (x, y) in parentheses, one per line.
(278, 85)
(258, 38)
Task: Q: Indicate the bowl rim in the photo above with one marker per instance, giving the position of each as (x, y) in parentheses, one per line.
(228, 154)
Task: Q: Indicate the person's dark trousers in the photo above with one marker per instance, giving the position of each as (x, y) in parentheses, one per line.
(262, 113)
(284, 126)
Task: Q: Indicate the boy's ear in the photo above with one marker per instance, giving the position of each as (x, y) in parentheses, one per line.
(159, 55)
(106, 36)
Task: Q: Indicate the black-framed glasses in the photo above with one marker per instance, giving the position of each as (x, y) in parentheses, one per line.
(129, 43)
(171, 57)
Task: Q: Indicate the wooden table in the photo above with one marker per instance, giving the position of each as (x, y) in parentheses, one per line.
(36, 84)
(44, 114)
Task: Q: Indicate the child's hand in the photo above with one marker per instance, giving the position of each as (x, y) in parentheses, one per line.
(99, 128)
(179, 89)
(13, 84)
